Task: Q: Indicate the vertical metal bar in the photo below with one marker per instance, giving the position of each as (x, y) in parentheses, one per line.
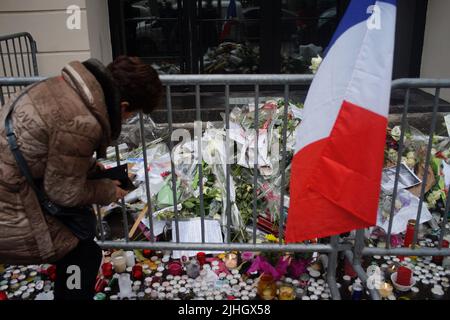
(255, 166)
(99, 221)
(29, 50)
(359, 246)
(331, 269)
(283, 163)
(227, 151)
(397, 169)
(22, 56)
(8, 53)
(147, 180)
(122, 201)
(33, 56)
(427, 164)
(444, 221)
(4, 70)
(174, 179)
(15, 56)
(200, 161)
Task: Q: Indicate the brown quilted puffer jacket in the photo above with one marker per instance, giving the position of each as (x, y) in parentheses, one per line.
(59, 125)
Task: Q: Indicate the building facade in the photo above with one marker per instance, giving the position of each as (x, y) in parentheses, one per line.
(187, 36)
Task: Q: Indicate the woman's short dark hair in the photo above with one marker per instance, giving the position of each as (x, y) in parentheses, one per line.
(139, 83)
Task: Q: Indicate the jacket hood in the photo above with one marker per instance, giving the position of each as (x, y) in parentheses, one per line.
(95, 85)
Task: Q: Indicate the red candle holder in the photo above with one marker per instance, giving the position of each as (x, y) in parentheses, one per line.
(439, 259)
(107, 270)
(147, 253)
(348, 269)
(3, 296)
(409, 236)
(51, 272)
(175, 268)
(201, 257)
(100, 285)
(137, 272)
(404, 276)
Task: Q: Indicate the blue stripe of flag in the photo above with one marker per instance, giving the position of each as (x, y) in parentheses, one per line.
(356, 13)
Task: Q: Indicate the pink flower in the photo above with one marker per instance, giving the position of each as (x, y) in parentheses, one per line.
(247, 256)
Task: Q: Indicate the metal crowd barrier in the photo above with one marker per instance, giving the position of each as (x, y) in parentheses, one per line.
(17, 59)
(335, 246)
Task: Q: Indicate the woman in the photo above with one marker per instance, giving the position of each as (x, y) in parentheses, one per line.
(59, 123)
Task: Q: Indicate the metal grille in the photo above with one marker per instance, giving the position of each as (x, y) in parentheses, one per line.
(333, 246)
(17, 59)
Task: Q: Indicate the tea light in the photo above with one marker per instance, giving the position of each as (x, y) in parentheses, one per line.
(437, 292)
(385, 290)
(314, 273)
(148, 281)
(231, 260)
(325, 296)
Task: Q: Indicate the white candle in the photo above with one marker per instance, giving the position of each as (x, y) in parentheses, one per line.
(130, 258)
(119, 263)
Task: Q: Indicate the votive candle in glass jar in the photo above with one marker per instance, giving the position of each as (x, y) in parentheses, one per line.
(267, 288)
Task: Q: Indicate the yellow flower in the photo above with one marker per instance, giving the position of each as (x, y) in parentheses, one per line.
(271, 237)
(221, 256)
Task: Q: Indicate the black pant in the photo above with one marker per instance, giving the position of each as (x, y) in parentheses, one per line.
(77, 271)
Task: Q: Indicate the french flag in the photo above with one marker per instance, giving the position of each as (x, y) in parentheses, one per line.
(231, 14)
(336, 170)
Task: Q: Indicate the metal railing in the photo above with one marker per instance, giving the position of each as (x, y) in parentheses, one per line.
(17, 59)
(334, 246)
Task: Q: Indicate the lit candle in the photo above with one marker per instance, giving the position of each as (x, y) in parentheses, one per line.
(231, 261)
(385, 290)
(286, 292)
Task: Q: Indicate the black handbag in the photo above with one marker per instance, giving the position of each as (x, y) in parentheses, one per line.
(80, 220)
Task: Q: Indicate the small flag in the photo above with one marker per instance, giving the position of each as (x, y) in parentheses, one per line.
(231, 14)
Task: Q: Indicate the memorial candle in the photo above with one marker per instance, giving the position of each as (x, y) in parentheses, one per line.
(409, 236)
(385, 290)
(201, 258)
(404, 276)
(231, 261)
(137, 272)
(107, 270)
(120, 264)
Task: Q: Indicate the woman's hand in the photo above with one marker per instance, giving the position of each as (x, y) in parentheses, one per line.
(120, 193)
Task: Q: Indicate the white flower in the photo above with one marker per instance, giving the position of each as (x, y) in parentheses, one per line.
(395, 133)
(315, 63)
(411, 155)
(410, 163)
(392, 155)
